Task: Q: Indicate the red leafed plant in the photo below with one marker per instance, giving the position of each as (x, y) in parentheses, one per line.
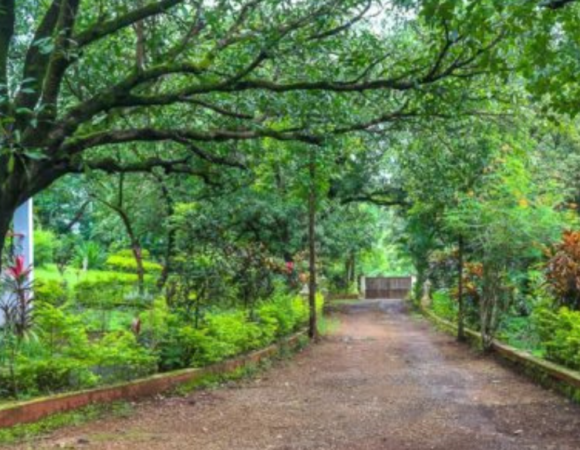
(15, 302)
(563, 270)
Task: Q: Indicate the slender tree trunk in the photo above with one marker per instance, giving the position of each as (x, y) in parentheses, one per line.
(138, 252)
(119, 208)
(135, 248)
(8, 205)
(313, 323)
(353, 268)
(460, 299)
(490, 304)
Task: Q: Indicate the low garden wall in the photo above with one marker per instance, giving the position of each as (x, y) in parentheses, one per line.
(34, 410)
(548, 374)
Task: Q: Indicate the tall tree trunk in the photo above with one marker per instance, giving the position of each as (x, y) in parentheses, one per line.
(490, 303)
(353, 268)
(7, 20)
(349, 269)
(5, 219)
(9, 202)
(313, 323)
(460, 299)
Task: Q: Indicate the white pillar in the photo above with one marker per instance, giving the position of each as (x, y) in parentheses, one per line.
(23, 231)
(24, 234)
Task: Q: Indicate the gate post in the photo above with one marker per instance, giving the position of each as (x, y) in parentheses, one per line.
(363, 287)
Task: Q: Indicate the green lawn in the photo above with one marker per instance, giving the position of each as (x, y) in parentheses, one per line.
(73, 276)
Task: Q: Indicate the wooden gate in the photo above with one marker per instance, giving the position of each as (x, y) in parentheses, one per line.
(388, 287)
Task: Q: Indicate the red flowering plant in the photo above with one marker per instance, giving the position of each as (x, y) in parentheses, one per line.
(15, 302)
(15, 315)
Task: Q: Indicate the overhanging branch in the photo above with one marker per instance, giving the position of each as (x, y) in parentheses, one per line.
(181, 136)
(148, 165)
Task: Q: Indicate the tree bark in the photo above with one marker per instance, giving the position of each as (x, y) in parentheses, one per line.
(7, 19)
(490, 304)
(461, 312)
(5, 219)
(313, 323)
(10, 199)
(136, 249)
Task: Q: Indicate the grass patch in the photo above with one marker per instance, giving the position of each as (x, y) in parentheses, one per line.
(29, 432)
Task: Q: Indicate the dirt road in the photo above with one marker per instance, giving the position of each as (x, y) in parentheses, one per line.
(384, 380)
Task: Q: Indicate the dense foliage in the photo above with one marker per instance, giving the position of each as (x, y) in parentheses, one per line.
(198, 167)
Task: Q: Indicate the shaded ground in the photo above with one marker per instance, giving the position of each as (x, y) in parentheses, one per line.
(384, 380)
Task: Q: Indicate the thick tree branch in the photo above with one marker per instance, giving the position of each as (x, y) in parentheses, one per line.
(59, 58)
(37, 60)
(173, 166)
(182, 136)
(7, 21)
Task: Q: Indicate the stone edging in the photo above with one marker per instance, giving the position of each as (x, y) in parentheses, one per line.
(550, 375)
(34, 410)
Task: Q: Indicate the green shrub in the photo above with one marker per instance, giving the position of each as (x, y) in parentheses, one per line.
(61, 334)
(285, 313)
(520, 332)
(65, 354)
(560, 335)
(155, 323)
(222, 334)
(124, 261)
(110, 291)
(444, 306)
(187, 346)
(119, 357)
(52, 292)
(89, 255)
(45, 245)
(46, 376)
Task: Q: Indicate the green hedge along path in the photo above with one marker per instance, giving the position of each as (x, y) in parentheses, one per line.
(384, 380)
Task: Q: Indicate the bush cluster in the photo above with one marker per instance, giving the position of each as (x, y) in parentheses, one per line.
(179, 344)
(560, 335)
(444, 306)
(66, 351)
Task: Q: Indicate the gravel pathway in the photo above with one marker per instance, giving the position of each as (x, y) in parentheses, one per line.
(384, 380)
